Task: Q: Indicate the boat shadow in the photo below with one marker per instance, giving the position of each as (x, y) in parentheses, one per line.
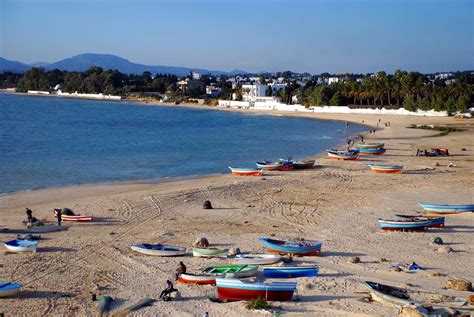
(322, 298)
(55, 249)
(334, 275)
(419, 171)
(43, 294)
(455, 229)
(335, 253)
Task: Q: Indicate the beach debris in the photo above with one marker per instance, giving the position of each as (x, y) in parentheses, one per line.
(413, 311)
(435, 273)
(463, 149)
(436, 240)
(382, 260)
(104, 304)
(141, 303)
(445, 250)
(459, 285)
(233, 251)
(414, 267)
(396, 269)
(201, 242)
(207, 204)
(451, 164)
(354, 259)
(309, 286)
(435, 164)
(470, 299)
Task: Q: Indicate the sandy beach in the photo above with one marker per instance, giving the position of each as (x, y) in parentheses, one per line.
(337, 203)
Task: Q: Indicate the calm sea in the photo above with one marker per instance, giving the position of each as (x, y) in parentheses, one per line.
(49, 142)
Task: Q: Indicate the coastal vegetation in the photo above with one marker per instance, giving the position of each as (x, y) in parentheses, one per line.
(410, 90)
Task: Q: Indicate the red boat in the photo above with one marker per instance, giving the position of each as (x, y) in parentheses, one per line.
(233, 290)
(76, 218)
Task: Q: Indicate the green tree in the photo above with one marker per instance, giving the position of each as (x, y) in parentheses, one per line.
(335, 99)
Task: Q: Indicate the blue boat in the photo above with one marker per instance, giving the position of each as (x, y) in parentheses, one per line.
(299, 247)
(404, 225)
(290, 271)
(363, 151)
(281, 165)
(435, 222)
(9, 289)
(446, 209)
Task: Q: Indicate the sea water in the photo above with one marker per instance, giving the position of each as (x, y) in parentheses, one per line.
(51, 141)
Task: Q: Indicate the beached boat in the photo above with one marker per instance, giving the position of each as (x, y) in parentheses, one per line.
(47, 227)
(303, 247)
(404, 225)
(364, 151)
(246, 171)
(21, 245)
(290, 271)
(232, 271)
(392, 169)
(76, 218)
(370, 145)
(257, 259)
(233, 290)
(281, 165)
(303, 164)
(209, 252)
(9, 289)
(158, 249)
(346, 155)
(446, 209)
(200, 279)
(435, 222)
(388, 295)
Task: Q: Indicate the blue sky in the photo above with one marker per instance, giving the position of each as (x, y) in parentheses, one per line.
(314, 36)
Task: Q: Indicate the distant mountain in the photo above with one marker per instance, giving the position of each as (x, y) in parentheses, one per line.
(12, 66)
(82, 62)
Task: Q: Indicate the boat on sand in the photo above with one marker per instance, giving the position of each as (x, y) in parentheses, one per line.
(257, 259)
(246, 171)
(390, 169)
(8, 289)
(297, 247)
(290, 271)
(158, 249)
(209, 252)
(435, 221)
(404, 224)
(18, 245)
(209, 274)
(388, 295)
(345, 155)
(446, 209)
(235, 290)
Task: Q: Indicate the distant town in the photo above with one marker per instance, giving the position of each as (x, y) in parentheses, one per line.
(449, 92)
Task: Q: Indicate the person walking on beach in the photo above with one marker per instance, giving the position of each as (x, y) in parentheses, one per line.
(59, 215)
(181, 269)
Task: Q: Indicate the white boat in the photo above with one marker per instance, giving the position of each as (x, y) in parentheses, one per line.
(158, 249)
(21, 245)
(8, 289)
(257, 259)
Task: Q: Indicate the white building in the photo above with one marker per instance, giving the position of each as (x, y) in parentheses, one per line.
(196, 75)
(276, 87)
(333, 80)
(213, 90)
(252, 92)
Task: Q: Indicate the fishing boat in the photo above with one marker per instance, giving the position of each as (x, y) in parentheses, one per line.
(246, 171)
(404, 225)
(446, 209)
(290, 271)
(379, 151)
(234, 290)
(200, 279)
(232, 271)
(346, 155)
(281, 165)
(300, 165)
(370, 145)
(158, 249)
(21, 245)
(393, 169)
(435, 222)
(303, 247)
(9, 289)
(209, 252)
(257, 259)
(76, 218)
(388, 295)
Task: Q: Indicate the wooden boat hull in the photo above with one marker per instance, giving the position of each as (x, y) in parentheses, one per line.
(236, 290)
(385, 299)
(9, 289)
(303, 164)
(404, 225)
(290, 272)
(257, 259)
(245, 172)
(306, 248)
(21, 245)
(435, 222)
(166, 250)
(232, 271)
(197, 279)
(446, 209)
(275, 166)
(76, 218)
(389, 169)
(209, 253)
(372, 151)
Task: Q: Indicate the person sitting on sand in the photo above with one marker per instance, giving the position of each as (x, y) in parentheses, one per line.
(168, 290)
(181, 269)
(31, 221)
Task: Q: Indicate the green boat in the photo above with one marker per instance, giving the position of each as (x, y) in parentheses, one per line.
(232, 271)
(303, 164)
(209, 252)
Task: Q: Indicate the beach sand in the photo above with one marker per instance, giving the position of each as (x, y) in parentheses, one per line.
(337, 203)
